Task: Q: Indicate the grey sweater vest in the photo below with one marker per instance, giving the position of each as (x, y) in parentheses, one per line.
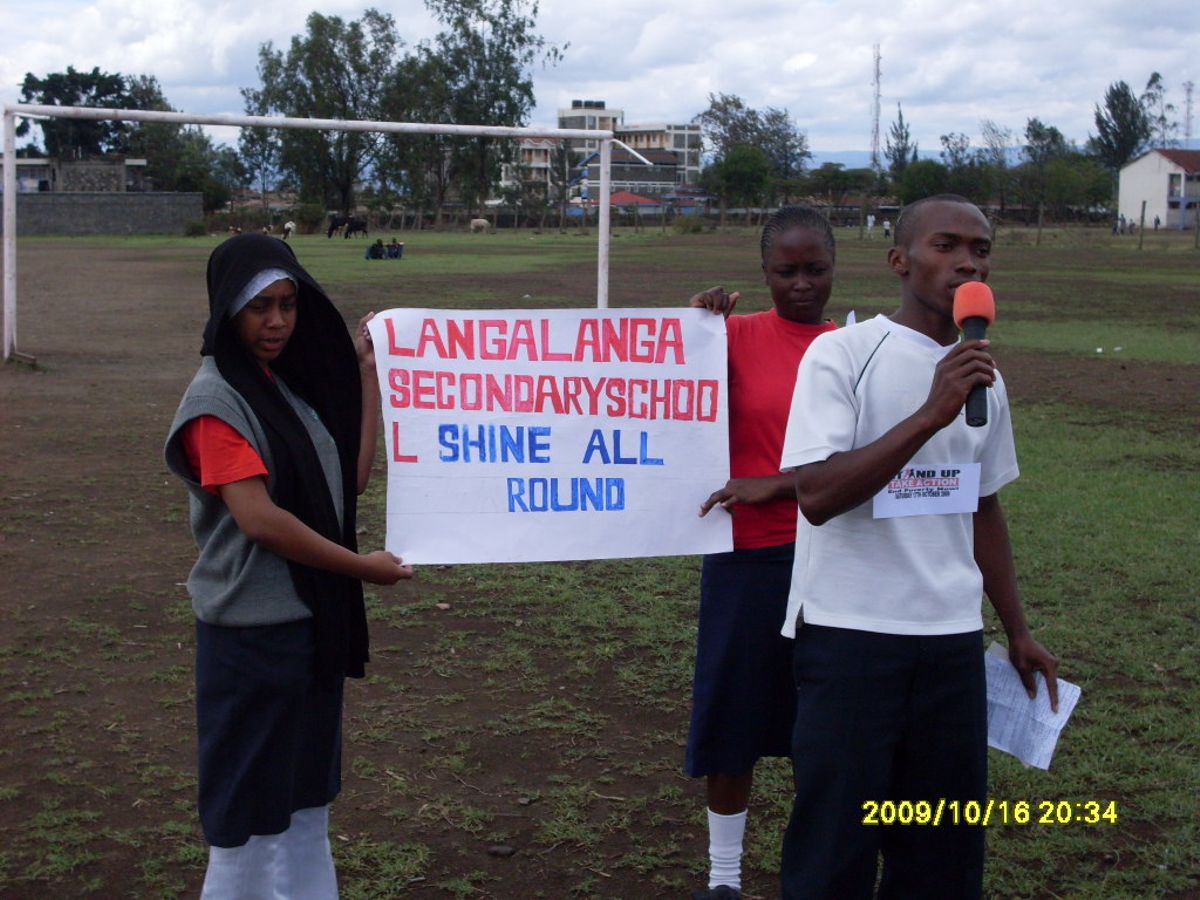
(235, 581)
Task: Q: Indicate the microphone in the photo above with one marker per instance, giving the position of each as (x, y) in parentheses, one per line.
(974, 311)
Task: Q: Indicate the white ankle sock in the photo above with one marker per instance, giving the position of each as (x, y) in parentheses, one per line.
(725, 835)
(306, 869)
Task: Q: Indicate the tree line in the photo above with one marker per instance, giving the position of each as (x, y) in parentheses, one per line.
(759, 158)
(478, 70)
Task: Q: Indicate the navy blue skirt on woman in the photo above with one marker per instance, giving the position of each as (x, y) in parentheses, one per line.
(270, 739)
(743, 695)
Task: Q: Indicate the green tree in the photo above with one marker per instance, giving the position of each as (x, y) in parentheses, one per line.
(560, 179)
(1158, 111)
(922, 178)
(899, 149)
(420, 168)
(487, 49)
(77, 138)
(1122, 127)
(965, 172)
(786, 147)
(740, 177)
(1043, 144)
(993, 158)
(215, 172)
(161, 144)
(727, 123)
(335, 70)
(259, 149)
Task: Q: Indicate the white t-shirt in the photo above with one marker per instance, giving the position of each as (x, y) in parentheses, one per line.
(908, 575)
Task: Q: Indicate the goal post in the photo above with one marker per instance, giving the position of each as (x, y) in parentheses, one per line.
(11, 111)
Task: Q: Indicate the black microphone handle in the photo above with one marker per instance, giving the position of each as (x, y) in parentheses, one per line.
(975, 329)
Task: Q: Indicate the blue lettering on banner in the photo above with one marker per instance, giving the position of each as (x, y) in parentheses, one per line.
(597, 445)
(494, 443)
(566, 494)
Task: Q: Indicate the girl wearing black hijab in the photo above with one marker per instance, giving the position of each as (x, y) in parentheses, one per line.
(274, 438)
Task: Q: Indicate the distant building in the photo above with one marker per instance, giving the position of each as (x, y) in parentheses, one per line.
(53, 175)
(681, 140)
(589, 115)
(629, 173)
(532, 163)
(1169, 183)
(673, 150)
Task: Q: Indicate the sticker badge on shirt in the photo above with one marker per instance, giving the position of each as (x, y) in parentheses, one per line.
(930, 491)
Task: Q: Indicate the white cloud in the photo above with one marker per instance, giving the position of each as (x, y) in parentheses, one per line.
(950, 66)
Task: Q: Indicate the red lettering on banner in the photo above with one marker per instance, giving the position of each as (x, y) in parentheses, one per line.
(548, 354)
(430, 335)
(462, 337)
(393, 348)
(397, 456)
(398, 382)
(522, 337)
(423, 389)
(492, 348)
(671, 339)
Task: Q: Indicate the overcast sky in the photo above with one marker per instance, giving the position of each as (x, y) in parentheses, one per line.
(949, 64)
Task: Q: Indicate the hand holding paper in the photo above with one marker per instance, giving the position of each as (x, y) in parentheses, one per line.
(1026, 728)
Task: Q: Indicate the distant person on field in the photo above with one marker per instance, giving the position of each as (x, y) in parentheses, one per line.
(288, 228)
(885, 609)
(395, 249)
(274, 439)
(375, 250)
(887, 229)
(743, 700)
(1157, 222)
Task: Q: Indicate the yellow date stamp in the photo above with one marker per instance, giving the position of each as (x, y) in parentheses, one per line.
(990, 812)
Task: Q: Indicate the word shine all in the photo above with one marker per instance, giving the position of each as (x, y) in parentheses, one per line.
(590, 340)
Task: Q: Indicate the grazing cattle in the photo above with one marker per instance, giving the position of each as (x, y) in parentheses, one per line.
(478, 226)
(346, 226)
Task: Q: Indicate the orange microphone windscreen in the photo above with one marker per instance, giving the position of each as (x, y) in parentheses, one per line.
(974, 299)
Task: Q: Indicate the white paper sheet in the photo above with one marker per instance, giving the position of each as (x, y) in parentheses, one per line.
(1018, 725)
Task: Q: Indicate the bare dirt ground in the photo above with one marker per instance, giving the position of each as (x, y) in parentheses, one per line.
(96, 792)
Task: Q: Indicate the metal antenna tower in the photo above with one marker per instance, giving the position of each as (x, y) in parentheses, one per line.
(876, 164)
(1188, 87)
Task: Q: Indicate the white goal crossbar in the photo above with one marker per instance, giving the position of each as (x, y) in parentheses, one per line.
(11, 111)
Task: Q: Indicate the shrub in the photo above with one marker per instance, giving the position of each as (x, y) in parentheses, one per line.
(195, 229)
(692, 223)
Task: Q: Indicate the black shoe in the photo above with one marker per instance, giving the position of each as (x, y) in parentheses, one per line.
(720, 892)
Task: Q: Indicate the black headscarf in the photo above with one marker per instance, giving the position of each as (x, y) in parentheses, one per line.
(320, 365)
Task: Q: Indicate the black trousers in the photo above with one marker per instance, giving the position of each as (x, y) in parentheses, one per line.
(885, 717)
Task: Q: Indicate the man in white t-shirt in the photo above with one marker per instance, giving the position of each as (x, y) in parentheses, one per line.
(901, 534)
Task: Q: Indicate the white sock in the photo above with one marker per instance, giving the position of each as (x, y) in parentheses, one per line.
(305, 860)
(725, 835)
(242, 873)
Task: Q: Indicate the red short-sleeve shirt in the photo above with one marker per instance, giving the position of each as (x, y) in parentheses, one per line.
(764, 354)
(218, 454)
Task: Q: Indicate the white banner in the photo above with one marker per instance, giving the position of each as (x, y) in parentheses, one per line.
(532, 435)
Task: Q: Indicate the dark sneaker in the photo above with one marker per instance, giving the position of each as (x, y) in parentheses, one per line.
(720, 892)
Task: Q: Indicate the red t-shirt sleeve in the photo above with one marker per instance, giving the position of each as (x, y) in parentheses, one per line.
(218, 454)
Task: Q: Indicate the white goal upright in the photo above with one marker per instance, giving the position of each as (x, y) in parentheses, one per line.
(11, 111)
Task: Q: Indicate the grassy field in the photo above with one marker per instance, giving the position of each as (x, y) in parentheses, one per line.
(521, 729)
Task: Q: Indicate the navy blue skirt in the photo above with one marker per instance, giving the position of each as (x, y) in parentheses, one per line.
(270, 740)
(743, 697)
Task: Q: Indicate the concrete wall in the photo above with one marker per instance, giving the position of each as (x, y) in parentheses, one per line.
(78, 213)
